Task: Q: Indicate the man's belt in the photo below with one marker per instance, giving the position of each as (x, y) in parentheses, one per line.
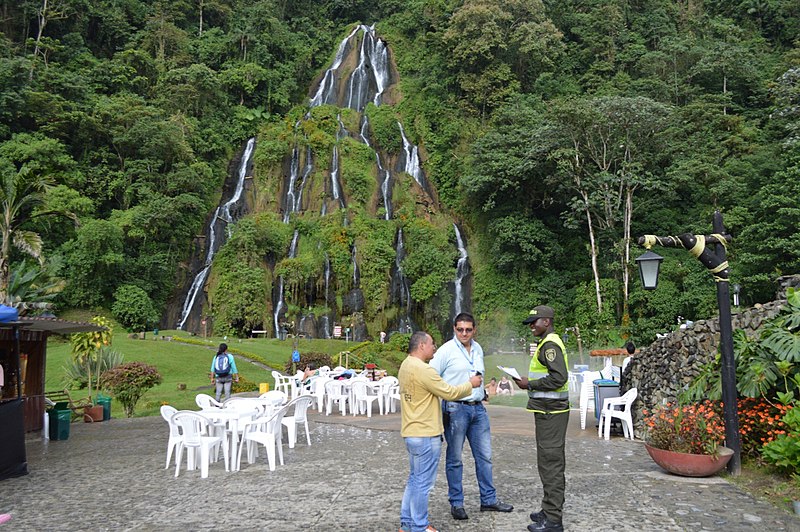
(470, 403)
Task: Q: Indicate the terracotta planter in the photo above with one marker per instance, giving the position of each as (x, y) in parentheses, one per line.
(93, 413)
(690, 465)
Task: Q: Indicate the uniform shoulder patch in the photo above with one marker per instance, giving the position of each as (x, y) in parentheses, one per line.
(550, 354)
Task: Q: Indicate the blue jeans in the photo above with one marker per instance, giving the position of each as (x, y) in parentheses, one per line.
(423, 459)
(469, 422)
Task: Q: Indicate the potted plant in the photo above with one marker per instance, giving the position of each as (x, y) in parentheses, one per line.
(687, 439)
(86, 351)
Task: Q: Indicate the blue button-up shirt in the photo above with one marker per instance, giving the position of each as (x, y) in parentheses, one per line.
(455, 365)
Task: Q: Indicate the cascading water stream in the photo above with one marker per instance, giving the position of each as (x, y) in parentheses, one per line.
(386, 176)
(462, 270)
(281, 299)
(356, 272)
(412, 166)
(326, 93)
(401, 290)
(373, 62)
(223, 214)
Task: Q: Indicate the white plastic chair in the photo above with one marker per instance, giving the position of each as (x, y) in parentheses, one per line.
(610, 411)
(264, 430)
(284, 383)
(363, 397)
(206, 401)
(298, 417)
(387, 383)
(586, 396)
(393, 399)
(318, 391)
(274, 398)
(193, 429)
(336, 391)
(174, 434)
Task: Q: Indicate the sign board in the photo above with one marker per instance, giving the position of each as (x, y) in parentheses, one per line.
(337, 331)
(295, 356)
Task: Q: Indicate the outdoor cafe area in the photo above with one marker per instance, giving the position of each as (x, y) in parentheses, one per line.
(224, 431)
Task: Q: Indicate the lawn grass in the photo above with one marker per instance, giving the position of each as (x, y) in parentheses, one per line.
(183, 363)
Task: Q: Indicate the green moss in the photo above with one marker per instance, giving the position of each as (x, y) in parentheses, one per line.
(357, 170)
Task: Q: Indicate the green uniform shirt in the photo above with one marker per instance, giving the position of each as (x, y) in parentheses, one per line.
(551, 356)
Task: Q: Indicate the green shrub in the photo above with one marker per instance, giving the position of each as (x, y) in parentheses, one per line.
(77, 376)
(244, 385)
(128, 382)
(784, 451)
(318, 359)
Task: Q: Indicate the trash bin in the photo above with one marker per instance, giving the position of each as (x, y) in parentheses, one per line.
(603, 389)
(60, 418)
(106, 402)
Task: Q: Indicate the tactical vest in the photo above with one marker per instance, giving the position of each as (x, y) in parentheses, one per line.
(538, 370)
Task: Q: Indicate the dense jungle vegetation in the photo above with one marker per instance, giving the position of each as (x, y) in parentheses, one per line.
(554, 131)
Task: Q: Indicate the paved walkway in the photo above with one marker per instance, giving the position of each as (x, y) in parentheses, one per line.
(111, 476)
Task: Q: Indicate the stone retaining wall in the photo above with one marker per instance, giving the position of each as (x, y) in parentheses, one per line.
(665, 368)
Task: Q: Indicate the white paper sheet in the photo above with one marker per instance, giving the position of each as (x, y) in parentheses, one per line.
(510, 371)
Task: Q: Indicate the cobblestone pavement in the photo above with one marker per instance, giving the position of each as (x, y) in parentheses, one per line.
(111, 476)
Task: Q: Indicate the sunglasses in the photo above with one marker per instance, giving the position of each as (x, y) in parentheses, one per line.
(463, 330)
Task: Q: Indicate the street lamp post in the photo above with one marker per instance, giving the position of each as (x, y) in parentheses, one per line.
(717, 264)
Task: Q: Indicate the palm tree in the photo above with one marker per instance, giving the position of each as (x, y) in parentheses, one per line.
(21, 194)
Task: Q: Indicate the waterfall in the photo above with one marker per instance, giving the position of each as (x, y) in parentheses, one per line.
(373, 65)
(293, 198)
(356, 273)
(412, 167)
(364, 130)
(337, 195)
(386, 184)
(371, 73)
(294, 170)
(326, 93)
(401, 290)
(462, 270)
(281, 300)
(325, 320)
(225, 213)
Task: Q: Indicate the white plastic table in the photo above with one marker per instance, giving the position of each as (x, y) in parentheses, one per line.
(231, 416)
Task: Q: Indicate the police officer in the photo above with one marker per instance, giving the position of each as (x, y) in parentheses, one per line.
(548, 399)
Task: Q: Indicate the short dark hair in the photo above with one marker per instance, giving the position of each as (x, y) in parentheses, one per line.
(630, 348)
(417, 339)
(464, 316)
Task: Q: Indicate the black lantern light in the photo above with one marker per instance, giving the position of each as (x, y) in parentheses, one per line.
(649, 264)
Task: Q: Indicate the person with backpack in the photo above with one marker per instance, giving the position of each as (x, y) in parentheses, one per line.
(223, 371)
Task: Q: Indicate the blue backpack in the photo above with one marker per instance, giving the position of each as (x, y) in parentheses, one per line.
(222, 366)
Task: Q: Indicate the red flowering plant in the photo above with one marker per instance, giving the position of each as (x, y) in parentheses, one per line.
(691, 428)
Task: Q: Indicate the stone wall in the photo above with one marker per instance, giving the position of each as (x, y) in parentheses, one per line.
(665, 368)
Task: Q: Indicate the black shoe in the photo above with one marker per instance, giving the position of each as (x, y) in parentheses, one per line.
(546, 526)
(496, 507)
(458, 512)
(538, 517)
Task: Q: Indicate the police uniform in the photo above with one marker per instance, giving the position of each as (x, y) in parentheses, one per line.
(548, 399)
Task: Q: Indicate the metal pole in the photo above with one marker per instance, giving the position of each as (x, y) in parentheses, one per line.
(729, 396)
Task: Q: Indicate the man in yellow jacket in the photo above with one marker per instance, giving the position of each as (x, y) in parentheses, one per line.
(421, 426)
(548, 399)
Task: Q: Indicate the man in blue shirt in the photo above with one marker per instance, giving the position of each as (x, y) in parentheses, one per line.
(456, 361)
